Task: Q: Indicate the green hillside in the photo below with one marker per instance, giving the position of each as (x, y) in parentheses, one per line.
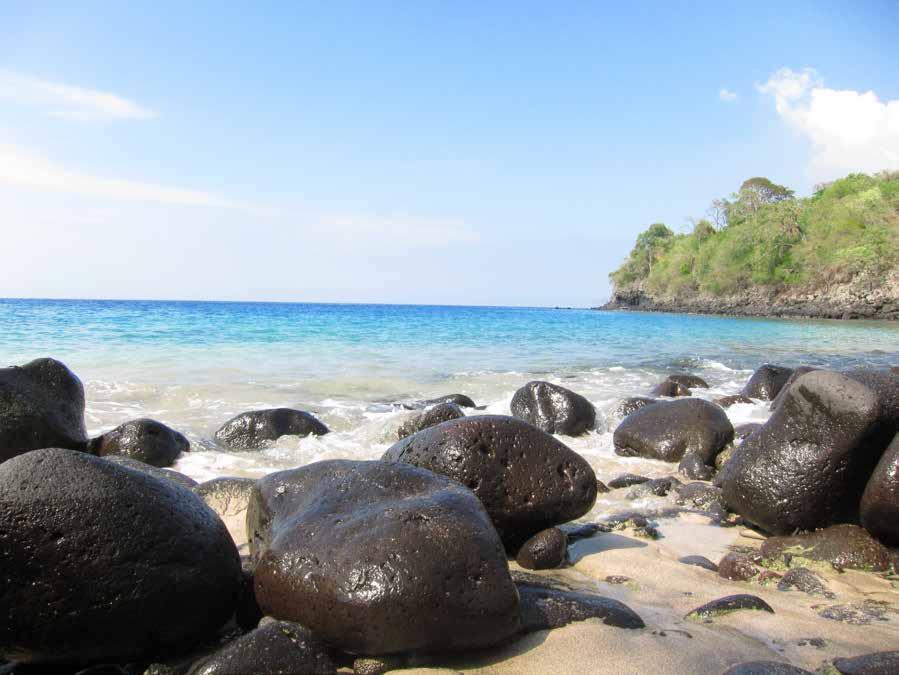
(764, 236)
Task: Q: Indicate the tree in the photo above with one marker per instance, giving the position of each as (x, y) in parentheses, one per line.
(702, 230)
(651, 243)
(758, 191)
(718, 213)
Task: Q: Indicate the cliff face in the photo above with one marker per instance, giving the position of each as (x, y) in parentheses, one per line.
(862, 298)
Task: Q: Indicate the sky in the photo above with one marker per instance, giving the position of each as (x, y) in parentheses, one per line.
(503, 153)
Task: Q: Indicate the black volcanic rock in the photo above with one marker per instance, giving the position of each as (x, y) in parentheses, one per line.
(544, 607)
(844, 546)
(766, 382)
(733, 399)
(691, 431)
(626, 480)
(145, 440)
(41, 406)
(795, 375)
(526, 479)
(251, 430)
(632, 405)
(442, 412)
(109, 564)
(554, 409)
(378, 558)
(765, 668)
(275, 648)
(728, 604)
(795, 473)
(689, 381)
(670, 389)
(164, 474)
(460, 400)
(878, 663)
(879, 509)
(545, 550)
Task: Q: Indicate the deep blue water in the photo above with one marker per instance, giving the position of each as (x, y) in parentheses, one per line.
(420, 341)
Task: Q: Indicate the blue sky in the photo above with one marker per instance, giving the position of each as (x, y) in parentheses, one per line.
(429, 152)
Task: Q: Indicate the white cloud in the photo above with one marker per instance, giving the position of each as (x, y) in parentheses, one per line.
(849, 130)
(65, 100)
(727, 95)
(26, 169)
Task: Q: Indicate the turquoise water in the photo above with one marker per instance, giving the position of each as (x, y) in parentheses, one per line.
(194, 364)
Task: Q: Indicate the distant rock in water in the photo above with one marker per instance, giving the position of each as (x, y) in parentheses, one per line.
(689, 381)
(670, 389)
(110, 564)
(460, 400)
(766, 382)
(252, 430)
(526, 479)
(554, 409)
(690, 431)
(379, 558)
(442, 412)
(795, 472)
(145, 440)
(41, 406)
(632, 405)
(733, 399)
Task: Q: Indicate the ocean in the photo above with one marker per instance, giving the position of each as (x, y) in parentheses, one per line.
(193, 365)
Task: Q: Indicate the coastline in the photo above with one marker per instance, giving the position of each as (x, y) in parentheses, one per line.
(842, 302)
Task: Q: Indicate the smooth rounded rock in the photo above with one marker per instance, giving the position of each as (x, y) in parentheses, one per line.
(733, 399)
(737, 567)
(879, 511)
(690, 431)
(632, 405)
(442, 412)
(379, 558)
(145, 440)
(626, 480)
(41, 406)
(545, 550)
(544, 607)
(460, 400)
(699, 561)
(844, 546)
(670, 389)
(110, 564)
(554, 409)
(766, 382)
(526, 479)
(795, 473)
(276, 648)
(252, 430)
(689, 381)
(795, 375)
(765, 668)
(878, 663)
(729, 604)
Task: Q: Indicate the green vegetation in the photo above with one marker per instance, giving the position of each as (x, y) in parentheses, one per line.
(763, 235)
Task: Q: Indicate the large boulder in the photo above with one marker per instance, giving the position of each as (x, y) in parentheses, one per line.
(145, 440)
(690, 431)
(252, 430)
(165, 474)
(442, 412)
(99, 563)
(554, 409)
(632, 405)
(527, 480)
(766, 382)
(378, 558)
(842, 546)
(795, 375)
(879, 511)
(41, 406)
(796, 472)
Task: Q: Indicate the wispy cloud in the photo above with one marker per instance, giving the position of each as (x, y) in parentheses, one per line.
(27, 169)
(66, 100)
(849, 130)
(727, 95)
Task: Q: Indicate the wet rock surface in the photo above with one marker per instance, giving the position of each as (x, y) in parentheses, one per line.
(733, 399)
(702, 497)
(145, 440)
(879, 510)
(689, 431)
(689, 381)
(274, 648)
(878, 663)
(670, 389)
(632, 405)
(626, 480)
(460, 400)
(795, 473)
(804, 580)
(795, 375)
(442, 412)
(526, 479)
(544, 607)
(554, 409)
(766, 382)
(378, 557)
(86, 593)
(728, 604)
(545, 550)
(657, 487)
(41, 406)
(842, 546)
(252, 430)
(737, 567)
(698, 561)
